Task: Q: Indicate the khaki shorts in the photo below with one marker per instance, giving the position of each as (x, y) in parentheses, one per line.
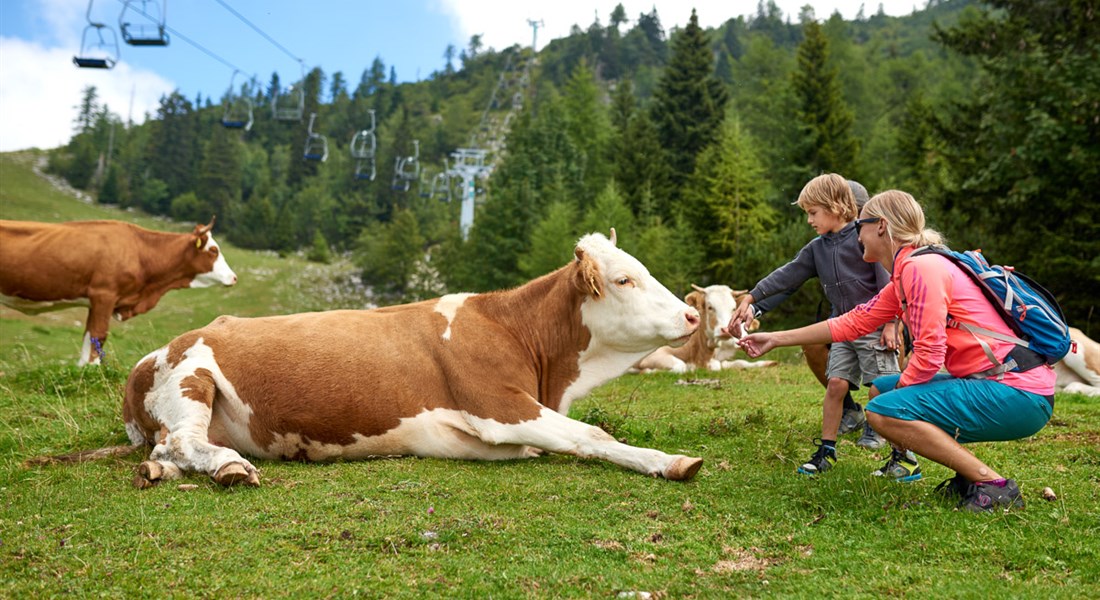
(862, 360)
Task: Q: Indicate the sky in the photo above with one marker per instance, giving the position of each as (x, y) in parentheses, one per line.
(40, 86)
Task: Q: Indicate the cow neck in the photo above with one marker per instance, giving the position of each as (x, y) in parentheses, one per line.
(544, 316)
(166, 266)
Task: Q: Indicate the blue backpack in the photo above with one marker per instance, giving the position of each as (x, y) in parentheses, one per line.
(1027, 308)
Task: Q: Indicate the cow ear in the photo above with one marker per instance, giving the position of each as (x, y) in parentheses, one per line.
(695, 299)
(588, 279)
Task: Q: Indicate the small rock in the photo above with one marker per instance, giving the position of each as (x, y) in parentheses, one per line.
(186, 487)
(1049, 495)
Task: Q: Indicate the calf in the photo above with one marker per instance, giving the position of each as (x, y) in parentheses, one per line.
(465, 376)
(109, 266)
(710, 347)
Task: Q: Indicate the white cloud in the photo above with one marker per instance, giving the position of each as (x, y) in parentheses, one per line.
(40, 88)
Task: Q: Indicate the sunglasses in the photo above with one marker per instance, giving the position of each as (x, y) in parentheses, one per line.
(861, 222)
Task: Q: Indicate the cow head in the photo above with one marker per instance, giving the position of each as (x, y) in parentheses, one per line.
(626, 308)
(719, 302)
(206, 257)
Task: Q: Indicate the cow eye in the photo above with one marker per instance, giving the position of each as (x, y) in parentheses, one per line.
(214, 250)
(623, 281)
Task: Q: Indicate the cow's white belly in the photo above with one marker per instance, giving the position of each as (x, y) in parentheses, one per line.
(438, 433)
(34, 307)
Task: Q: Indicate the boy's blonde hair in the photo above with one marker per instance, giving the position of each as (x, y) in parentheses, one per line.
(830, 192)
(904, 218)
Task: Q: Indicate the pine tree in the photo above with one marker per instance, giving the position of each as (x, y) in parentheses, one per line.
(552, 241)
(689, 105)
(828, 145)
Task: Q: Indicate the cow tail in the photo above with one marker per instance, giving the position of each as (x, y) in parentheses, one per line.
(82, 456)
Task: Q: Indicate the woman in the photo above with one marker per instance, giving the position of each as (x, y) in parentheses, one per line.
(921, 410)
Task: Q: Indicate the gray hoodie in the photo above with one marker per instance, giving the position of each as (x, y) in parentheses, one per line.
(836, 259)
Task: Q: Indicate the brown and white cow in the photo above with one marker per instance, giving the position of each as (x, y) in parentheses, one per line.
(465, 376)
(1079, 371)
(109, 266)
(711, 347)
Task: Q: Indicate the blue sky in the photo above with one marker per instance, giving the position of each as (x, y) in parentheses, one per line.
(39, 85)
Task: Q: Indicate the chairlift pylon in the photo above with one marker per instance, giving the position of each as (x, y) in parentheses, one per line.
(406, 169)
(137, 33)
(316, 147)
(290, 106)
(238, 108)
(363, 147)
(101, 52)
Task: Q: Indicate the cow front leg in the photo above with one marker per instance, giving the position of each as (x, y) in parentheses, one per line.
(554, 432)
(95, 330)
(182, 404)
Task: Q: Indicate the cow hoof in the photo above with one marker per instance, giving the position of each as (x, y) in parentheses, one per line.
(234, 473)
(148, 474)
(683, 468)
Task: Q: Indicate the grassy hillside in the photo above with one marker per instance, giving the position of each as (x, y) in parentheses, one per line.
(553, 527)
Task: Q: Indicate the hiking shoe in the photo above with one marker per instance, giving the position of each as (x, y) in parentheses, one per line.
(852, 420)
(870, 439)
(956, 487)
(821, 461)
(985, 497)
(902, 467)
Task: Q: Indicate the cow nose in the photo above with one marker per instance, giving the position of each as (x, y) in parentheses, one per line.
(692, 317)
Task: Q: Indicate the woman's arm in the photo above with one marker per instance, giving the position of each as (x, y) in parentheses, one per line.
(757, 344)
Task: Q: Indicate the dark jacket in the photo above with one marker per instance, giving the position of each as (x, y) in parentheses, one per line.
(836, 259)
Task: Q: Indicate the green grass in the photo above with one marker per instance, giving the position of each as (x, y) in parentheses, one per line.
(552, 527)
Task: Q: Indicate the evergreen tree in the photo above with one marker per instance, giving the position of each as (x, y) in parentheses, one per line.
(174, 143)
(590, 131)
(609, 210)
(688, 106)
(1023, 151)
(828, 144)
(552, 241)
(219, 181)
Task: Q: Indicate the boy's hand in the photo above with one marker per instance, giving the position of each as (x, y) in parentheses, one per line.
(741, 315)
(757, 344)
(890, 336)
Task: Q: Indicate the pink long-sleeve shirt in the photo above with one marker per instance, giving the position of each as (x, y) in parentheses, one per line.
(934, 288)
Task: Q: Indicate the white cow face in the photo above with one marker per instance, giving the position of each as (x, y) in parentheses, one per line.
(721, 301)
(628, 309)
(219, 271)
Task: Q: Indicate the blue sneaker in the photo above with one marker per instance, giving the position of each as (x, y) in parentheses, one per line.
(902, 467)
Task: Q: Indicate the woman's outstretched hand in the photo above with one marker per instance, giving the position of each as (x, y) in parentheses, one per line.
(758, 344)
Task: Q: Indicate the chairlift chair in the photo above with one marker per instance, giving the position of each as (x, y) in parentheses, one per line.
(238, 109)
(143, 34)
(406, 169)
(363, 143)
(316, 147)
(100, 51)
(290, 106)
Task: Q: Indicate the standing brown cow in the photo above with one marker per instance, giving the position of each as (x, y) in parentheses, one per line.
(109, 266)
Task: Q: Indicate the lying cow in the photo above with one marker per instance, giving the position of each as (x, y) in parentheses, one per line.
(465, 376)
(711, 347)
(1079, 371)
(109, 266)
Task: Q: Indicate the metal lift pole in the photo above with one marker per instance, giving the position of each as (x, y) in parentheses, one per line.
(469, 165)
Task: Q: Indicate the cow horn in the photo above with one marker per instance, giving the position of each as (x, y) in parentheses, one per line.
(697, 288)
(614, 238)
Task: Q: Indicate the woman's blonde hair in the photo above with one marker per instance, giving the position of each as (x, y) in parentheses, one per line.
(904, 218)
(831, 192)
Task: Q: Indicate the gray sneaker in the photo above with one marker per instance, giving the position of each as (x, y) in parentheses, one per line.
(985, 497)
(870, 439)
(852, 420)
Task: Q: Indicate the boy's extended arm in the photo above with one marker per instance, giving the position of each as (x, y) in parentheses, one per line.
(787, 278)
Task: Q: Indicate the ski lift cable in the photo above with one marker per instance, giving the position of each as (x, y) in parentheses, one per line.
(258, 30)
(197, 45)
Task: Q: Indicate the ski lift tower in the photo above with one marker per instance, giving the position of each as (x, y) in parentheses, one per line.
(469, 165)
(535, 36)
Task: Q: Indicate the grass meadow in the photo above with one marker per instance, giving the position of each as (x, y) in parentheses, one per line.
(552, 527)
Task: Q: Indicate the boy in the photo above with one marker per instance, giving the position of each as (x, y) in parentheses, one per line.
(836, 259)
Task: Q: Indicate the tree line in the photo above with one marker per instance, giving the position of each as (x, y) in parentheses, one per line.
(692, 143)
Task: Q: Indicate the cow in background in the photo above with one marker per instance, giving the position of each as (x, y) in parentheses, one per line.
(112, 267)
(1079, 371)
(465, 376)
(711, 347)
